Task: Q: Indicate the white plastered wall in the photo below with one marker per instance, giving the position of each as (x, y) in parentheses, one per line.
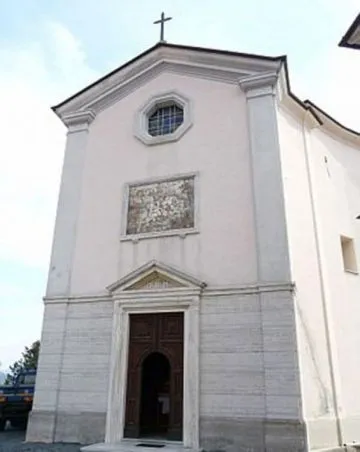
(337, 186)
(321, 199)
(216, 148)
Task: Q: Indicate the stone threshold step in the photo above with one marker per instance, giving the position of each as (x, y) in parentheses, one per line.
(348, 448)
(138, 446)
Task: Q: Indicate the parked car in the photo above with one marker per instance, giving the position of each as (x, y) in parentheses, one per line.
(16, 400)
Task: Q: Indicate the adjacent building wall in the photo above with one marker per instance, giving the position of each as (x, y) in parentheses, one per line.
(322, 198)
(337, 187)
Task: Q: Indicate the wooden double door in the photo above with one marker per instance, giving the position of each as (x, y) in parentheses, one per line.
(154, 395)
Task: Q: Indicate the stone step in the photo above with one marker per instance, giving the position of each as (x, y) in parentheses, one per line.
(138, 446)
(346, 448)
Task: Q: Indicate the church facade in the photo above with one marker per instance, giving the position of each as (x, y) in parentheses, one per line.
(203, 288)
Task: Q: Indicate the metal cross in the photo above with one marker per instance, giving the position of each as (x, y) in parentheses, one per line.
(162, 21)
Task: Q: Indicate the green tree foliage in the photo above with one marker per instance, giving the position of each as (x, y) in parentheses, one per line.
(28, 361)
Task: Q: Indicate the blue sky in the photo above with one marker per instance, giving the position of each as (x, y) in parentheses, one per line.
(50, 49)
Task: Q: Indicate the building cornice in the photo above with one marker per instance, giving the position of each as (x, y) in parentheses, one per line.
(78, 120)
(242, 69)
(215, 291)
(249, 289)
(221, 66)
(259, 85)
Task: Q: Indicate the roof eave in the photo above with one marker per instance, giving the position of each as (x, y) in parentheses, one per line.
(333, 126)
(294, 100)
(64, 109)
(159, 45)
(55, 108)
(345, 41)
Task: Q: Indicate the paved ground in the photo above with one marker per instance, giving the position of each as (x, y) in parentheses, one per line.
(13, 441)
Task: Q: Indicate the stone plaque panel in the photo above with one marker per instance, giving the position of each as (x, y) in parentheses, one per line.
(161, 206)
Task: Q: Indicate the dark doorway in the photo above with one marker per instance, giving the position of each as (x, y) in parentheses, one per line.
(155, 395)
(154, 389)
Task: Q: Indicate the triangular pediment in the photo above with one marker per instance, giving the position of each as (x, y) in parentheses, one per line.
(155, 276)
(155, 280)
(228, 67)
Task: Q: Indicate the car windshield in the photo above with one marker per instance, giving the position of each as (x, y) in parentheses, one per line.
(27, 379)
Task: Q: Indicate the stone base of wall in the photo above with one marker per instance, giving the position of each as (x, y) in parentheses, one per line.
(259, 435)
(40, 428)
(66, 427)
(351, 430)
(323, 434)
(252, 435)
(216, 434)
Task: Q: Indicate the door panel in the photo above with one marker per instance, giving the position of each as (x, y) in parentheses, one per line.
(149, 333)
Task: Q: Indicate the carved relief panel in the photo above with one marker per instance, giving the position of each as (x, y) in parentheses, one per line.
(161, 206)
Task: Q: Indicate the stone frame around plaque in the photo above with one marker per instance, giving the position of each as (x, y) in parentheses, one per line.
(181, 232)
